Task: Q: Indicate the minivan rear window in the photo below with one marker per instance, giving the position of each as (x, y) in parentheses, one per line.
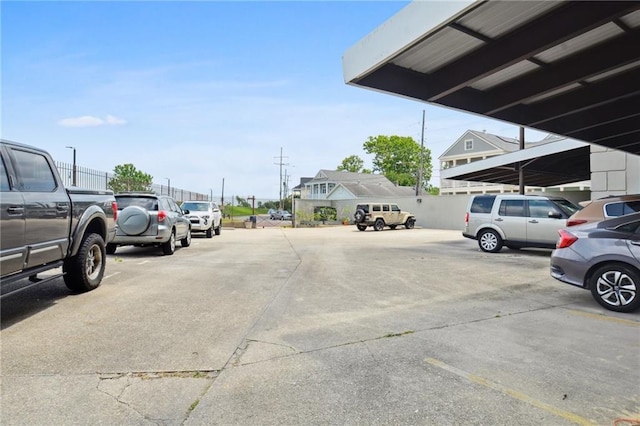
(482, 204)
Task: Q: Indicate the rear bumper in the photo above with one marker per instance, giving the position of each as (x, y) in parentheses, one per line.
(569, 267)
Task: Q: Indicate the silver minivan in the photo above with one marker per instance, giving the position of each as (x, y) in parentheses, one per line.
(516, 221)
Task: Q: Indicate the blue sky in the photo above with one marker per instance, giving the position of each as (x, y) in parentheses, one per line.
(201, 91)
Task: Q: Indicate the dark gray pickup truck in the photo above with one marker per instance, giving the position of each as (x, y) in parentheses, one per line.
(44, 225)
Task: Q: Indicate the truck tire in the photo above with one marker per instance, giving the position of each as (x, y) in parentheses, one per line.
(209, 232)
(378, 225)
(218, 229)
(83, 272)
(410, 223)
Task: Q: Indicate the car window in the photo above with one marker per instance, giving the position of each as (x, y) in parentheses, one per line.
(196, 207)
(621, 208)
(144, 202)
(511, 208)
(35, 173)
(633, 227)
(4, 180)
(164, 204)
(385, 207)
(363, 207)
(541, 208)
(482, 204)
(376, 207)
(395, 208)
(567, 206)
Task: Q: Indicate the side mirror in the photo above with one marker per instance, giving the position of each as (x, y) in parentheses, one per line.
(185, 211)
(554, 215)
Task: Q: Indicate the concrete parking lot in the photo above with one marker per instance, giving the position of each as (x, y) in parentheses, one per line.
(282, 326)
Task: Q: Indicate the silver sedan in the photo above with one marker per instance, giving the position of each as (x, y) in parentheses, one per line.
(603, 257)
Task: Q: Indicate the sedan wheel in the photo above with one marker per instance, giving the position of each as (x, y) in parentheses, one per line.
(615, 287)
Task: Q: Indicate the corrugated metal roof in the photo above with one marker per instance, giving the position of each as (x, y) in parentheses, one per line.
(562, 67)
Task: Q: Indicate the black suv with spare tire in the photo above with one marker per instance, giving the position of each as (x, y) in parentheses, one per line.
(379, 215)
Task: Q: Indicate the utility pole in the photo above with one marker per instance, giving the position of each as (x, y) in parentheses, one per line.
(280, 163)
(222, 197)
(419, 183)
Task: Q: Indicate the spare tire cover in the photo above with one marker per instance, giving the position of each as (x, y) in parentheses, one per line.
(133, 220)
(359, 216)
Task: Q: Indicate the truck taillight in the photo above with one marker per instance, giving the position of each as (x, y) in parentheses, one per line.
(466, 217)
(114, 207)
(162, 215)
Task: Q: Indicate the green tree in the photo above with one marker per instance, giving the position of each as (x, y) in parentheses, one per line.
(433, 190)
(128, 178)
(352, 163)
(399, 159)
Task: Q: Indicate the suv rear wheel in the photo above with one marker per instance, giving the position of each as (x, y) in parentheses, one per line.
(361, 227)
(378, 225)
(169, 247)
(489, 241)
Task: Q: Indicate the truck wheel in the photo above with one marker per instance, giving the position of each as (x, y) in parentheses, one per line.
(361, 227)
(111, 248)
(84, 271)
(186, 241)
(218, 229)
(169, 247)
(378, 225)
(209, 232)
(410, 223)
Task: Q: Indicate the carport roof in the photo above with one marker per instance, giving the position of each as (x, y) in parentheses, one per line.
(566, 68)
(553, 163)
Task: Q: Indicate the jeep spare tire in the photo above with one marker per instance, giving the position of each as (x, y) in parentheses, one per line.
(133, 220)
(359, 216)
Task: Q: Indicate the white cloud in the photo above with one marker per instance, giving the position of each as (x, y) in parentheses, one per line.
(91, 121)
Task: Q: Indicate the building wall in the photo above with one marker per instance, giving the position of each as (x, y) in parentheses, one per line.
(613, 172)
(431, 211)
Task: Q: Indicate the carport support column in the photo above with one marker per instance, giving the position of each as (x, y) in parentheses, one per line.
(520, 166)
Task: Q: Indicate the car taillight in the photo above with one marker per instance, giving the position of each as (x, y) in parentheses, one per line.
(114, 207)
(162, 215)
(466, 217)
(566, 239)
(573, 222)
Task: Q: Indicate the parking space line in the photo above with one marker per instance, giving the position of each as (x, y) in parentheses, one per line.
(110, 275)
(510, 392)
(605, 318)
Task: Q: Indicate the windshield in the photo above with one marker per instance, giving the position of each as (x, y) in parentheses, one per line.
(196, 207)
(567, 206)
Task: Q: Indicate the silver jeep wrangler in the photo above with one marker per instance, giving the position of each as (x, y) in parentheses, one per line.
(380, 215)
